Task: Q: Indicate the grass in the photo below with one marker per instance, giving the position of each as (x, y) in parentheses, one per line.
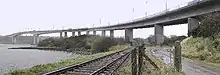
(205, 50)
(148, 69)
(43, 68)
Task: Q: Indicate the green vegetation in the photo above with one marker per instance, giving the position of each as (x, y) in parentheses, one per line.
(148, 69)
(208, 27)
(40, 69)
(204, 43)
(89, 43)
(203, 49)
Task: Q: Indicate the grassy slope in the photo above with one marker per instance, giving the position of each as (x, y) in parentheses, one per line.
(149, 69)
(202, 49)
(39, 69)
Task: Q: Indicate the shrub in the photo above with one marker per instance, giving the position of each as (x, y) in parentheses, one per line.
(103, 43)
(89, 42)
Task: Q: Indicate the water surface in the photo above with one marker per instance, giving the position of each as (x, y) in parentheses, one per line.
(11, 59)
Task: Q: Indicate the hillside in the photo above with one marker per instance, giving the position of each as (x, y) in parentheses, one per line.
(204, 44)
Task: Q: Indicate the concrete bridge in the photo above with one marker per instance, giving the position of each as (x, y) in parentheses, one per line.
(188, 13)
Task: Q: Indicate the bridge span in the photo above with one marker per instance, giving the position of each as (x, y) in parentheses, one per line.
(186, 14)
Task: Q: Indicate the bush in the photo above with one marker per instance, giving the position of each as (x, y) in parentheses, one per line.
(89, 42)
(101, 44)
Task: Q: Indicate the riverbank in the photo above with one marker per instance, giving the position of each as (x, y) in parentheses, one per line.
(12, 59)
(76, 50)
(43, 68)
(40, 48)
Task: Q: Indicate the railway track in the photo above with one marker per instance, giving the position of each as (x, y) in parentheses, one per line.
(106, 65)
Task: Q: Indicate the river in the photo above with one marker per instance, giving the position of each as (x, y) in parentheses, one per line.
(11, 59)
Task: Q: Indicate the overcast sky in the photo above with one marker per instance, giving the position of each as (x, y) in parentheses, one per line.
(23, 15)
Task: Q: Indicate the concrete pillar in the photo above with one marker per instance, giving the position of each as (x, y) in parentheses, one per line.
(103, 33)
(61, 34)
(36, 39)
(79, 33)
(65, 35)
(13, 39)
(87, 32)
(94, 32)
(128, 35)
(73, 34)
(112, 33)
(193, 23)
(158, 32)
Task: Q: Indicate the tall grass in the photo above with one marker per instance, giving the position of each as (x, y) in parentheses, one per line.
(206, 49)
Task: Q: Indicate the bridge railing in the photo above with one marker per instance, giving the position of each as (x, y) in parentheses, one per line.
(151, 15)
(159, 13)
(165, 11)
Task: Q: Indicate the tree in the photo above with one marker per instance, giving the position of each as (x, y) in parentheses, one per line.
(209, 25)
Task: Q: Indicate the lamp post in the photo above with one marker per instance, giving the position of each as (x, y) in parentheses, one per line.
(146, 11)
(100, 21)
(166, 5)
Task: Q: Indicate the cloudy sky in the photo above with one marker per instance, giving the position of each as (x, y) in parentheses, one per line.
(23, 15)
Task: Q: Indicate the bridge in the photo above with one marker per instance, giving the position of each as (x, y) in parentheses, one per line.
(188, 13)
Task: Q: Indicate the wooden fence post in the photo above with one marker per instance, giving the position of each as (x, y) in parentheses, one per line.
(177, 57)
(140, 59)
(134, 62)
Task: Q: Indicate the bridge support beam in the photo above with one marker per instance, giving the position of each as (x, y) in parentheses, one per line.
(103, 33)
(79, 33)
(73, 34)
(158, 32)
(13, 40)
(65, 35)
(128, 35)
(36, 39)
(94, 32)
(193, 23)
(112, 33)
(61, 34)
(87, 32)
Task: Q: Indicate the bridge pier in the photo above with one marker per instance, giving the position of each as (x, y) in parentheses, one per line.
(36, 39)
(65, 35)
(112, 33)
(87, 32)
(73, 34)
(103, 33)
(61, 34)
(94, 32)
(13, 39)
(159, 36)
(128, 35)
(79, 33)
(193, 23)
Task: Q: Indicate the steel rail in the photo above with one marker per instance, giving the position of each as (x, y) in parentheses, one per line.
(107, 66)
(69, 68)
